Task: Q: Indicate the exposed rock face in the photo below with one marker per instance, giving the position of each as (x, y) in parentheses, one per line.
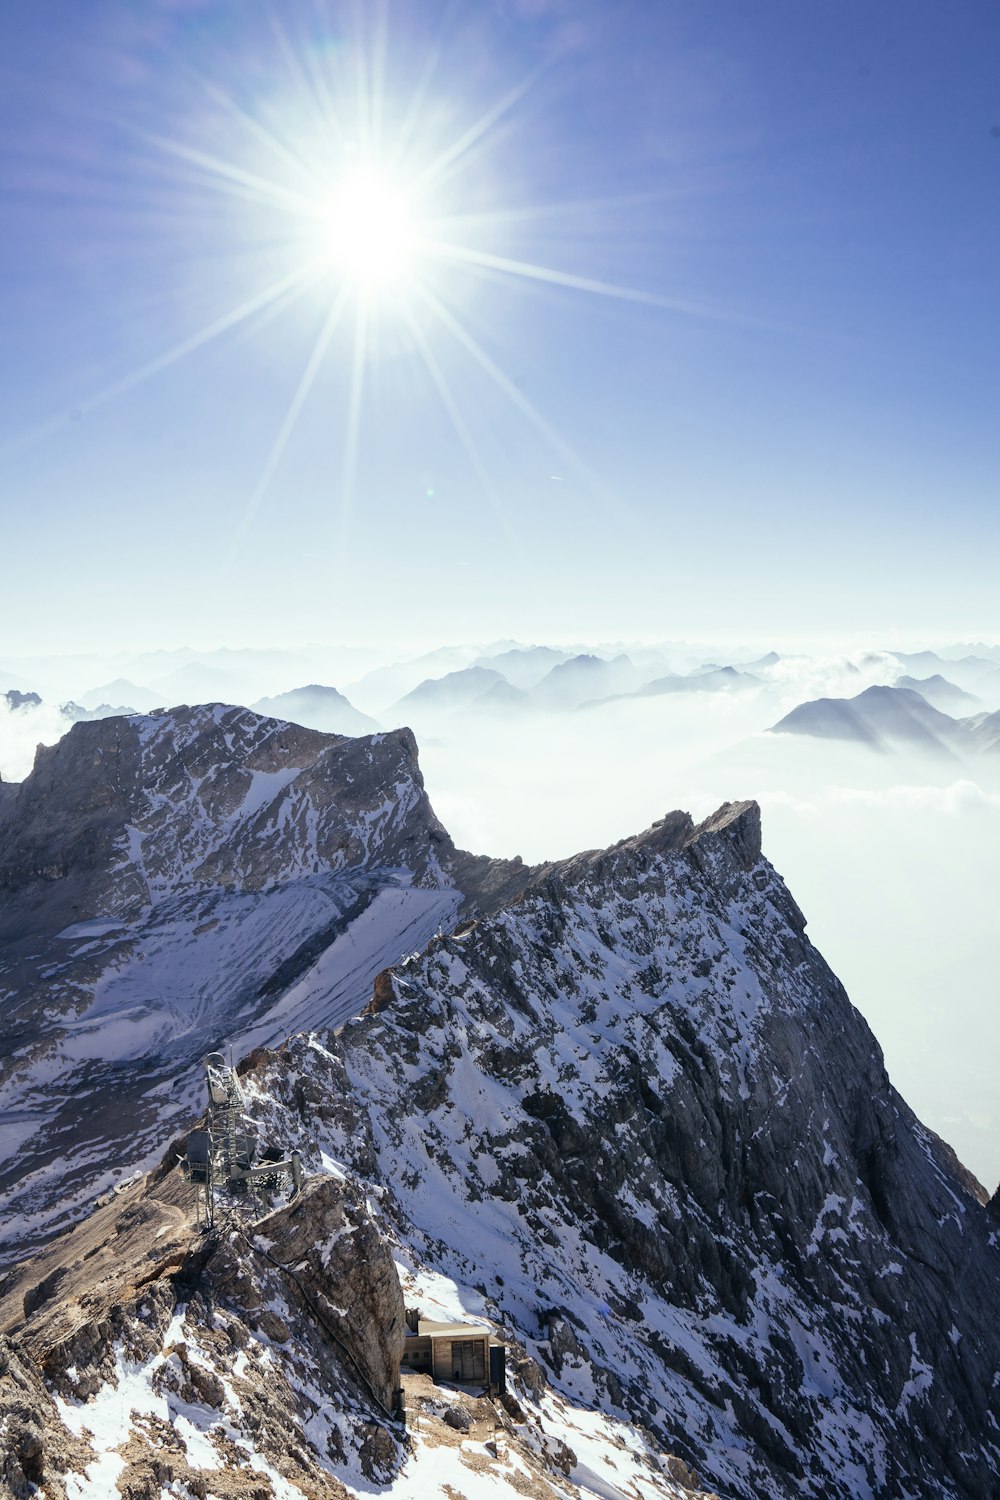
(206, 795)
(190, 879)
(139, 1358)
(203, 1361)
(636, 1109)
(343, 1278)
(630, 1118)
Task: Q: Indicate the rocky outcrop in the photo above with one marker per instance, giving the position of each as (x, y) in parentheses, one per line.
(230, 1348)
(335, 1268)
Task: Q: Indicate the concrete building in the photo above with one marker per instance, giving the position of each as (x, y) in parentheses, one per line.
(455, 1353)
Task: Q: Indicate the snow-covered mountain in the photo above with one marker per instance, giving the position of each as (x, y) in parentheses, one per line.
(631, 1121)
(174, 882)
(681, 1173)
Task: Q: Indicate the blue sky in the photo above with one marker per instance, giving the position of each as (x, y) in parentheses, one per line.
(796, 433)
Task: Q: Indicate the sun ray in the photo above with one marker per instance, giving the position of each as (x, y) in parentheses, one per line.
(407, 126)
(290, 285)
(457, 420)
(551, 208)
(353, 429)
(293, 160)
(227, 176)
(363, 93)
(376, 102)
(531, 272)
(281, 292)
(503, 381)
(294, 411)
(433, 173)
(310, 83)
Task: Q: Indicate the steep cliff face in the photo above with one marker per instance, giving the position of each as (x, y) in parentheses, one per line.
(176, 882)
(636, 1111)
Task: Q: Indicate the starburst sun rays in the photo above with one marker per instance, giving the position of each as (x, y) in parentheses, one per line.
(371, 210)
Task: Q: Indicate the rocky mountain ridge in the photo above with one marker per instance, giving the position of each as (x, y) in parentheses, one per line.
(182, 880)
(618, 1106)
(632, 1120)
(642, 1094)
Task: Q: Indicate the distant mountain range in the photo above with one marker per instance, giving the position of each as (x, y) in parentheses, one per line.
(317, 707)
(940, 693)
(564, 686)
(884, 718)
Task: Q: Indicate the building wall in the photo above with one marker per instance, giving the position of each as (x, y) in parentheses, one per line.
(469, 1357)
(417, 1354)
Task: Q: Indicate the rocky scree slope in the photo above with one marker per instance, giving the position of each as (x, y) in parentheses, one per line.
(635, 1114)
(175, 882)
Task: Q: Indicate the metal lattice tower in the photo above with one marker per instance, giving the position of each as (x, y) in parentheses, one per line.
(223, 1154)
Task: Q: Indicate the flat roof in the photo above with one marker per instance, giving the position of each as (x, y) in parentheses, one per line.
(427, 1328)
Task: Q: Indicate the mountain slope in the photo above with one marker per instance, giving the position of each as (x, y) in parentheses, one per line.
(632, 1121)
(983, 731)
(174, 882)
(262, 1360)
(638, 1110)
(940, 693)
(583, 678)
(453, 691)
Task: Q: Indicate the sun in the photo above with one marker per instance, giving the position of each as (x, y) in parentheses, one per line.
(368, 229)
(375, 204)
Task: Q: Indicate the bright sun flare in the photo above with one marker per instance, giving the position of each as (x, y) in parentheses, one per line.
(367, 229)
(372, 205)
